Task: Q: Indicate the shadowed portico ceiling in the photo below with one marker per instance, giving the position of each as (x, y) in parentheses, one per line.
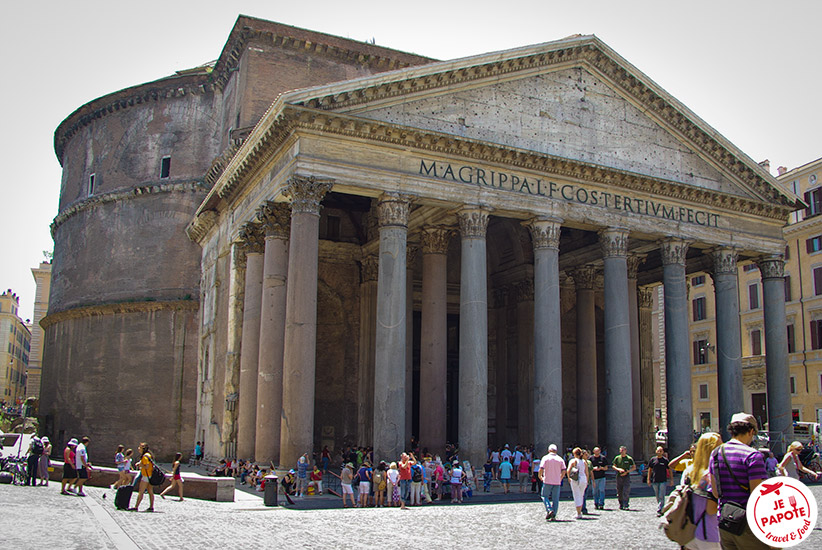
(333, 109)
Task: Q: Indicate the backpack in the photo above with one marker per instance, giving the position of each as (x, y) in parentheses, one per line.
(416, 474)
(37, 446)
(678, 516)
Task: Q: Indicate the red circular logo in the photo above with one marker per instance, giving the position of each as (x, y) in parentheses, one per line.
(781, 512)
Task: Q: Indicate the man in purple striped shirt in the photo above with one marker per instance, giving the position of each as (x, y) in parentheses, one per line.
(748, 469)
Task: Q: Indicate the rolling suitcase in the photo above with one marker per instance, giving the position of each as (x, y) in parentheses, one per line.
(122, 501)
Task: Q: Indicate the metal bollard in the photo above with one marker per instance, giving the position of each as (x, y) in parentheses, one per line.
(272, 486)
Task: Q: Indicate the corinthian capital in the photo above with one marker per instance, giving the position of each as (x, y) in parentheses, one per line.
(252, 238)
(434, 240)
(673, 251)
(306, 194)
(584, 277)
(473, 222)
(645, 296)
(724, 260)
(275, 218)
(634, 261)
(393, 210)
(370, 268)
(614, 242)
(544, 232)
(772, 267)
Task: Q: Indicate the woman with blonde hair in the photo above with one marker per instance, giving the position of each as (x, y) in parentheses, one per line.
(706, 536)
(791, 466)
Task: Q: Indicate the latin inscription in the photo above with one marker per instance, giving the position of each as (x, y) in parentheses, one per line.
(475, 175)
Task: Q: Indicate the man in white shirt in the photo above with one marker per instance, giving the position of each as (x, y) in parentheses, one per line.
(82, 465)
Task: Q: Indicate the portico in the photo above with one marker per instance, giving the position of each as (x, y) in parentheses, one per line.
(547, 189)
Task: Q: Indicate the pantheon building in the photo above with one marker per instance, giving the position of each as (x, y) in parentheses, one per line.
(317, 241)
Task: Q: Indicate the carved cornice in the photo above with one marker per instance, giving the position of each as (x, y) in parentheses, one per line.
(724, 260)
(370, 267)
(634, 261)
(434, 240)
(411, 252)
(252, 238)
(118, 308)
(122, 195)
(306, 194)
(544, 233)
(393, 209)
(614, 242)
(772, 267)
(645, 296)
(673, 251)
(201, 224)
(584, 277)
(275, 218)
(473, 222)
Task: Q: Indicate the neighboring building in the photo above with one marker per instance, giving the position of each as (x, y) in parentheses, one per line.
(803, 304)
(15, 347)
(464, 251)
(42, 278)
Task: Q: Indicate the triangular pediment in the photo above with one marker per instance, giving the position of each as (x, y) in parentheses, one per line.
(574, 99)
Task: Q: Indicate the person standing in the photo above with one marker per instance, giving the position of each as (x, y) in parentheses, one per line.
(35, 451)
(82, 465)
(495, 460)
(176, 478)
(623, 464)
(682, 464)
(146, 469)
(551, 471)
(599, 465)
(364, 475)
(586, 456)
(120, 461)
(404, 467)
(736, 470)
(456, 483)
(771, 463)
(505, 470)
(69, 473)
(198, 452)
(706, 534)
(657, 477)
(577, 472)
(380, 480)
(44, 463)
(524, 473)
(302, 475)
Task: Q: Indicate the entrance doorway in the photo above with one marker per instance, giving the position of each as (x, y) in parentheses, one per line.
(759, 406)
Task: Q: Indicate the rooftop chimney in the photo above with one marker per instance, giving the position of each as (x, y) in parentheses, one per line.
(781, 170)
(766, 164)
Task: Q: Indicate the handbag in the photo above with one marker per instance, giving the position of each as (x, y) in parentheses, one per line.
(732, 515)
(574, 475)
(158, 476)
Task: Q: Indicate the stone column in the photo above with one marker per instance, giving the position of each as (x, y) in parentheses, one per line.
(389, 378)
(728, 337)
(548, 410)
(253, 236)
(646, 371)
(473, 373)
(634, 261)
(587, 398)
(677, 346)
(619, 387)
(525, 359)
(500, 298)
(276, 222)
(236, 295)
(410, 257)
(300, 349)
(368, 328)
(433, 338)
(777, 373)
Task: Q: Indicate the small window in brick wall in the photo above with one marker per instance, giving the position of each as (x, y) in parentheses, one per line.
(165, 167)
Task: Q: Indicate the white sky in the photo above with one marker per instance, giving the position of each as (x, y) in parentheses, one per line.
(751, 69)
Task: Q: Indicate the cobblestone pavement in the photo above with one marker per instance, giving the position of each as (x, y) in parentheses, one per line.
(41, 517)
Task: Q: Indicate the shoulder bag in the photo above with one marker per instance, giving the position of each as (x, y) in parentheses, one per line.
(732, 514)
(158, 476)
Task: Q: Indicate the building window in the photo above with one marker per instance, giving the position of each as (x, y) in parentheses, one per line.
(756, 342)
(699, 280)
(793, 385)
(749, 267)
(813, 199)
(795, 415)
(165, 167)
(814, 244)
(699, 308)
(700, 352)
(788, 295)
(753, 296)
(817, 281)
(705, 421)
(791, 339)
(703, 392)
(816, 334)
(91, 185)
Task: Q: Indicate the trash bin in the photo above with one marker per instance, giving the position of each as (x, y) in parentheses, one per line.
(272, 486)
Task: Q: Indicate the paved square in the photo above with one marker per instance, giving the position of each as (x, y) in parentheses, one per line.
(41, 517)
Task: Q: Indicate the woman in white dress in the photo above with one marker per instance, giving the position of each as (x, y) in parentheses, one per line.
(578, 476)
